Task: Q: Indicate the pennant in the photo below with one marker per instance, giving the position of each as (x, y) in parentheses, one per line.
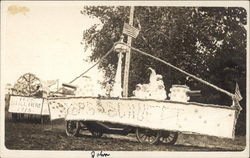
(130, 30)
(51, 82)
(237, 92)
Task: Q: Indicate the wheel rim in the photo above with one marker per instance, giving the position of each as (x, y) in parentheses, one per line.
(72, 128)
(169, 137)
(147, 135)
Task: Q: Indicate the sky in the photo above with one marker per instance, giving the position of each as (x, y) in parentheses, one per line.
(44, 40)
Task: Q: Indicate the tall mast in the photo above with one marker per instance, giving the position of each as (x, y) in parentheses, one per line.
(128, 54)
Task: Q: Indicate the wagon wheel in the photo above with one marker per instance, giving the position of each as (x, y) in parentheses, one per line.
(72, 128)
(96, 134)
(145, 135)
(27, 84)
(169, 137)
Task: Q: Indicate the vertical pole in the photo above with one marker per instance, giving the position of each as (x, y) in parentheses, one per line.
(128, 54)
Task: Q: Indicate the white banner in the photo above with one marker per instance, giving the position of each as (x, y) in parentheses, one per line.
(28, 105)
(161, 115)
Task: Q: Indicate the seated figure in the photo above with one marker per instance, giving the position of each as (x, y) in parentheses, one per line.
(155, 89)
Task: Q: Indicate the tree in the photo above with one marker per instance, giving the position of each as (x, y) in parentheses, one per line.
(209, 42)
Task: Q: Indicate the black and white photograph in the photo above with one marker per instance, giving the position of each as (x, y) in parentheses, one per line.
(124, 79)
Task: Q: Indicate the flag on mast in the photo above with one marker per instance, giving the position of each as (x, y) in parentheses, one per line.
(130, 30)
(237, 92)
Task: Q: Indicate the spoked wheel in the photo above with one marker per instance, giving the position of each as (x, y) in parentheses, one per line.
(169, 137)
(28, 85)
(72, 128)
(96, 134)
(149, 136)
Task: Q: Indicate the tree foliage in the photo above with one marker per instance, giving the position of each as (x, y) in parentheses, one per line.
(209, 42)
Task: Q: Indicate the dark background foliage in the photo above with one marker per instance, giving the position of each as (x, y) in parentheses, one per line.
(209, 42)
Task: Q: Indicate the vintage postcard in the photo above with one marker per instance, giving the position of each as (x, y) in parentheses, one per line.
(124, 79)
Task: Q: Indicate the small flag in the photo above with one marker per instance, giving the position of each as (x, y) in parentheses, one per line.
(51, 82)
(130, 30)
(237, 92)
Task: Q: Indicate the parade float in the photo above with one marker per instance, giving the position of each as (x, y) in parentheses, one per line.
(148, 113)
(28, 100)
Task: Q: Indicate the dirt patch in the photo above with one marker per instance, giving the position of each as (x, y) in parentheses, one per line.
(52, 136)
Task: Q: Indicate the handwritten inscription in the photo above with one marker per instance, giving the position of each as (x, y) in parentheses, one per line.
(99, 154)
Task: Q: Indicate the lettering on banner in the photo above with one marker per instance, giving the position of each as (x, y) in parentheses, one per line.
(28, 105)
(141, 111)
(81, 107)
(91, 109)
(100, 108)
(121, 112)
(149, 110)
(131, 112)
(73, 109)
(174, 112)
(112, 111)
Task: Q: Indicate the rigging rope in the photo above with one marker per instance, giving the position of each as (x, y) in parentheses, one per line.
(180, 70)
(93, 65)
(160, 60)
(88, 68)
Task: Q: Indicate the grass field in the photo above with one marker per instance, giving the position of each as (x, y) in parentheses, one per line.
(52, 136)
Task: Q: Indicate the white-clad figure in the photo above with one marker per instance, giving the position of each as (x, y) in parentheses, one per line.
(155, 89)
(152, 76)
(156, 86)
(161, 93)
(138, 91)
(146, 91)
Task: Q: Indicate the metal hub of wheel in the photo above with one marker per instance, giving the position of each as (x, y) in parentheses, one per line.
(169, 137)
(149, 136)
(72, 128)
